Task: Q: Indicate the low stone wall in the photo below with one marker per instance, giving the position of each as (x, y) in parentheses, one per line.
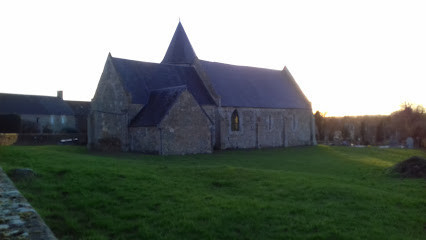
(18, 220)
(7, 139)
(42, 139)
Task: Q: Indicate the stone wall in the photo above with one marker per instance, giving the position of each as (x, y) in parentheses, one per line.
(300, 129)
(134, 109)
(109, 127)
(212, 113)
(18, 220)
(186, 129)
(145, 139)
(49, 123)
(7, 139)
(109, 113)
(262, 127)
(42, 139)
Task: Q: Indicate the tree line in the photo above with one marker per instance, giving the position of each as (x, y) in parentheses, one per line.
(393, 129)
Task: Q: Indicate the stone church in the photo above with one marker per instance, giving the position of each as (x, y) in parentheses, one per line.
(185, 105)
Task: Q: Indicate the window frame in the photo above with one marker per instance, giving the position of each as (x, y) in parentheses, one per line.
(235, 121)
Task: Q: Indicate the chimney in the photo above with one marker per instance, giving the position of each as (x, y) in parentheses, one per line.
(60, 95)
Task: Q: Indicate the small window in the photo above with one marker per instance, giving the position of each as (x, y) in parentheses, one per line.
(52, 119)
(63, 119)
(235, 121)
(294, 122)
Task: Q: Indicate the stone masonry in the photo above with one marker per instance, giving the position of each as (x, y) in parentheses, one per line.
(186, 129)
(224, 107)
(18, 220)
(260, 128)
(110, 107)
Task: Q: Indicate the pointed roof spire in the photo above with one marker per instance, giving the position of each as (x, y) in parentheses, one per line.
(180, 50)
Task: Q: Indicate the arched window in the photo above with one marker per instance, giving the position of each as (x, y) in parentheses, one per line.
(235, 121)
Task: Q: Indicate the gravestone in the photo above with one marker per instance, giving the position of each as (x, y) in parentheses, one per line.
(410, 142)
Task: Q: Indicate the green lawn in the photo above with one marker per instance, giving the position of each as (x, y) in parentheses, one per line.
(295, 193)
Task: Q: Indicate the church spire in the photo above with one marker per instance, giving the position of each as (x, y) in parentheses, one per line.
(180, 50)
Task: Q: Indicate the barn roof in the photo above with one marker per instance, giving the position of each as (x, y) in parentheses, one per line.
(32, 104)
(180, 50)
(241, 86)
(159, 103)
(141, 78)
(80, 108)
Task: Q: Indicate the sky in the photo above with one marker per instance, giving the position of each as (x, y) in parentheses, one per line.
(349, 57)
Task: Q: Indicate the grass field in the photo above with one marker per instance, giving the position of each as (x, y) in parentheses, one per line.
(296, 193)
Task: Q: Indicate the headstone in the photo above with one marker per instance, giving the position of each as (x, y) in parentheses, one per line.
(410, 142)
(337, 137)
(393, 142)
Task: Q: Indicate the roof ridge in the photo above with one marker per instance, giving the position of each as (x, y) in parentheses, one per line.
(29, 95)
(132, 60)
(11, 103)
(79, 101)
(184, 86)
(186, 65)
(161, 63)
(243, 66)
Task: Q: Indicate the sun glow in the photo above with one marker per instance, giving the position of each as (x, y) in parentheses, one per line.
(345, 64)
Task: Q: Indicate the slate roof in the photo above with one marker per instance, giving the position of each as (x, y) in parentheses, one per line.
(141, 78)
(241, 86)
(80, 108)
(159, 104)
(237, 86)
(32, 104)
(180, 50)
